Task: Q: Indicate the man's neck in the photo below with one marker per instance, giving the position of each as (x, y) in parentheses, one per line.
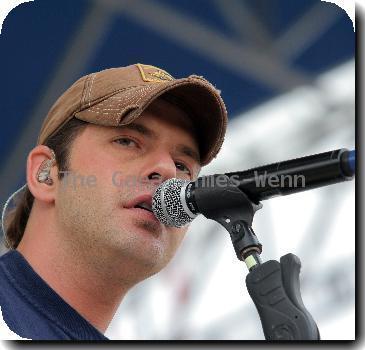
(92, 288)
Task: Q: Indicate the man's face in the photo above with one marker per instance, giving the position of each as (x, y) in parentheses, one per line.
(113, 170)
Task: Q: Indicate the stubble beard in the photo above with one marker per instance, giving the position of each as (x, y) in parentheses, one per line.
(99, 236)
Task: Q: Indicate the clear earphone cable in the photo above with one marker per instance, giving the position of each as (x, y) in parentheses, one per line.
(6, 206)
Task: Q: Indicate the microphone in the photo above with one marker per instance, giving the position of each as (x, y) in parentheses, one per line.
(177, 202)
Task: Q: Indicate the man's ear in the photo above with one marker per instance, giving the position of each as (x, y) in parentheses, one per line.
(42, 173)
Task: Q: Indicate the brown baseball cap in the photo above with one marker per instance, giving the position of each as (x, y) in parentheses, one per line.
(118, 96)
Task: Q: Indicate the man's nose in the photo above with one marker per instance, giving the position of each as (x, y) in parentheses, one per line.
(159, 168)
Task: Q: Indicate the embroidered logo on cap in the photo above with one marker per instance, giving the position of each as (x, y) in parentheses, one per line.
(153, 74)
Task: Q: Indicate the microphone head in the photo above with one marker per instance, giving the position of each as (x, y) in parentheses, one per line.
(167, 203)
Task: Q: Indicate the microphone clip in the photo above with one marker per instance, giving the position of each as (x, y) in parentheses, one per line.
(235, 212)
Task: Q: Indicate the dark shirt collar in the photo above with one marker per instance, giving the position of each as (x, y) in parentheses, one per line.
(46, 300)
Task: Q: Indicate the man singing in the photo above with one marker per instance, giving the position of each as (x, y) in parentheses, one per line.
(82, 233)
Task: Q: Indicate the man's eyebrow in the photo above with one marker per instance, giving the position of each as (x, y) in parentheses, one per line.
(143, 130)
(188, 151)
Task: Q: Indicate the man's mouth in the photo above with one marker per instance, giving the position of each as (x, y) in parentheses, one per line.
(145, 206)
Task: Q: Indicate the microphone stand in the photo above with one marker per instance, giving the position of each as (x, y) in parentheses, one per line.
(273, 286)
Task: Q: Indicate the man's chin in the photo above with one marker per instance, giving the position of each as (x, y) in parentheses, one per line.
(151, 227)
(146, 264)
(145, 243)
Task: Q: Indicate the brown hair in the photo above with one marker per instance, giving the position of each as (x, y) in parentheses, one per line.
(60, 142)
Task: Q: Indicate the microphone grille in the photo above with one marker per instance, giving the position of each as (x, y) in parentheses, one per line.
(167, 205)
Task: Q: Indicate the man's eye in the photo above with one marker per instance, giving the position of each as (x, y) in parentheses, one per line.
(126, 141)
(183, 168)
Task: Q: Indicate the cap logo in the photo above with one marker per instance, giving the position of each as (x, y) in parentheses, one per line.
(153, 74)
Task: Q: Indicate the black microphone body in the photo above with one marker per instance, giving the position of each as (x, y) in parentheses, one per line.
(177, 202)
(296, 175)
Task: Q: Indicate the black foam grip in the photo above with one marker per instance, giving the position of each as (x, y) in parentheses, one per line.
(275, 290)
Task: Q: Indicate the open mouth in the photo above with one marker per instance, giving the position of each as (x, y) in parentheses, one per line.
(145, 206)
